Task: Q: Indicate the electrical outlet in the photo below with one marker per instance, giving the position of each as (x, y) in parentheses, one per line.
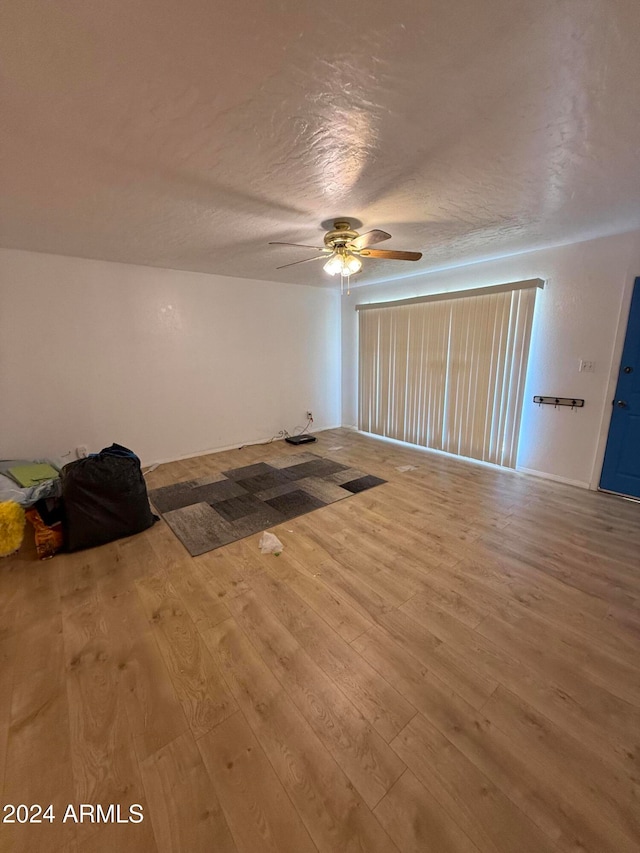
(587, 366)
(82, 451)
(309, 415)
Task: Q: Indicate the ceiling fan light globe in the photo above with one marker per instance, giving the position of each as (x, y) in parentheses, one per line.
(352, 264)
(334, 265)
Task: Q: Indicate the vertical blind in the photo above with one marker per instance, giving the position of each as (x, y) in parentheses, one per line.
(448, 372)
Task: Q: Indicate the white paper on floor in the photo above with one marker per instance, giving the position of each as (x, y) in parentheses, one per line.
(403, 468)
(270, 544)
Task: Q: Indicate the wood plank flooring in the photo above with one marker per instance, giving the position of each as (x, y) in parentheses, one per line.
(449, 662)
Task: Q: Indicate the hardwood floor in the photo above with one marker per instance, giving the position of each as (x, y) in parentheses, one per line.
(448, 662)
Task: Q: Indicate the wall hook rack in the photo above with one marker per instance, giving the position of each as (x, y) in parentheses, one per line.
(573, 402)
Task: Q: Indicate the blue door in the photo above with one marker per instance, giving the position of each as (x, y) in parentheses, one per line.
(621, 469)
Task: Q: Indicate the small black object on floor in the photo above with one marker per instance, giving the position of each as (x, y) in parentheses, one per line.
(301, 439)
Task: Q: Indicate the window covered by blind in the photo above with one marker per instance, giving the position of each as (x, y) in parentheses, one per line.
(448, 372)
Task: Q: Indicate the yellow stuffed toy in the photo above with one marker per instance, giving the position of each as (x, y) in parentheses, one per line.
(12, 523)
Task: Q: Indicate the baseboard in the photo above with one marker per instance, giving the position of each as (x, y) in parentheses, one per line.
(236, 446)
(406, 445)
(535, 473)
(546, 476)
(196, 453)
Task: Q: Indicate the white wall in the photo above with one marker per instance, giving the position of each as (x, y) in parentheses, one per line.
(168, 363)
(581, 313)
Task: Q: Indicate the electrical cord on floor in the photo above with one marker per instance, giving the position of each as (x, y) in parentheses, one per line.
(283, 433)
(303, 430)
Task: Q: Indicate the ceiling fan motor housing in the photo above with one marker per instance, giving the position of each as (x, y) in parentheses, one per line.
(341, 234)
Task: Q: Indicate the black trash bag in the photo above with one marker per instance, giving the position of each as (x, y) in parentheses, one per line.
(104, 498)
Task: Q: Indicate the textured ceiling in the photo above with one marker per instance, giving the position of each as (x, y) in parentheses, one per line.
(188, 135)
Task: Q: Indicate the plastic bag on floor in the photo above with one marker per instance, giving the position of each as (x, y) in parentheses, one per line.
(270, 544)
(105, 498)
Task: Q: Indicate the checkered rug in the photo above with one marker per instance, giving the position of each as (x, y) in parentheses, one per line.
(218, 509)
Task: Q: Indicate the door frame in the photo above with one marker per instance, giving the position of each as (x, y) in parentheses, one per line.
(616, 361)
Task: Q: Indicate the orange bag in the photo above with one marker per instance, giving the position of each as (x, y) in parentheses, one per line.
(49, 540)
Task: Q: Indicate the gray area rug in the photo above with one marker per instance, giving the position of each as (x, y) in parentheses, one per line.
(221, 508)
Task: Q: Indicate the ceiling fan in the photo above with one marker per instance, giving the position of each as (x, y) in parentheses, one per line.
(345, 247)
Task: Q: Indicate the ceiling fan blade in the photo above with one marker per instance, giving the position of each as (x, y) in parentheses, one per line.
(391, 255)
(317, 258)
(300, 245)
(369, 238)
